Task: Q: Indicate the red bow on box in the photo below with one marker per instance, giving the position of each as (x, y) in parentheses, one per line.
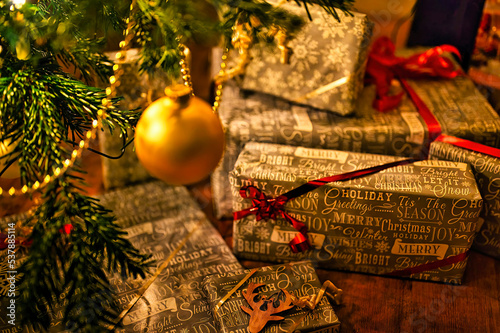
(384, 66)
(270, 208)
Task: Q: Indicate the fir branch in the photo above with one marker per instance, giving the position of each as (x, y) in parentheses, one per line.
(330, 6)
(53, 109)
(76, 266)
(267, 16)
(57, 29)
(87, 61)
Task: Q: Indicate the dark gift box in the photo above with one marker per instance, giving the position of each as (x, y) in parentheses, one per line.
(396, 219)
(326, 66)
(459, 107)
(487, 171)
(298, 278)
(157, 218)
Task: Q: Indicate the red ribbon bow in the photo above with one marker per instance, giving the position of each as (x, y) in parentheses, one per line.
(383, 66)
(265, 207)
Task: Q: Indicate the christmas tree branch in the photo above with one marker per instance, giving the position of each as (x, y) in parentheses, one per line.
(54, 109)
(84, 243)
(330, 6)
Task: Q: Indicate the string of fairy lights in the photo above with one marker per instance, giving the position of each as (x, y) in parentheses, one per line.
(87, 136)
(106, 103)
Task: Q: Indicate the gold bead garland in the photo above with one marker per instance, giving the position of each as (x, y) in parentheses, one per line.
(220, 82)
(68, 163)
(96, 123)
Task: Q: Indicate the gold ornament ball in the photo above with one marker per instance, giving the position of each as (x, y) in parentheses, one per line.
(178, 138)
(13, 171)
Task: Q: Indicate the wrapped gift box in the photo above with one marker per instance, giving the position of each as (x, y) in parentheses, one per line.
(397, 218)
(298, 278)
(326, 66)
(459, 107)
(487, 171)
(157, 218)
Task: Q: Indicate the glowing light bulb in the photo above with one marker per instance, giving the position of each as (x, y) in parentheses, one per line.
(18, 3)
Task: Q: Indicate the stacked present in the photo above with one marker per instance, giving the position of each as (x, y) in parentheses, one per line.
(485, 162)
(166, 222)
(391, 222)
(374, 212)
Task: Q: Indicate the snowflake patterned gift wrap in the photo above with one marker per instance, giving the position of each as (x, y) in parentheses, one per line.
(417, 220)
(326, 65)
(487, 171)
(297, 278)
(157, 218)
(459, 107)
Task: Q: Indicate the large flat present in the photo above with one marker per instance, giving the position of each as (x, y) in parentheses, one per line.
(174, 300)
(298, 278)
(397, 219)
(458, 106)
(326, 61)
(157, 218)
(487, 171)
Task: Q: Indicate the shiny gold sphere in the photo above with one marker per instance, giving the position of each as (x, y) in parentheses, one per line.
(178, 138)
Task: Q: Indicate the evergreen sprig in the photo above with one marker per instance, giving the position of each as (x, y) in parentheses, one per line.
(74, 264)
(266, 16)
(54, 109)
(330, 6)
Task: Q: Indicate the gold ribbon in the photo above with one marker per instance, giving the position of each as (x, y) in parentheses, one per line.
(160, 269)
(323, 89)
(311, 301)
(236, 287)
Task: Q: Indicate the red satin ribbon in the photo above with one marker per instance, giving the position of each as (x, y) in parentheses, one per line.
(384, 66)
(431, 265)
(469, 145)
(433, 126)
(265, 207)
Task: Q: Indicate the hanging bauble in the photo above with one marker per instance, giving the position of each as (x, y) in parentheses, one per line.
(178, 138)
(13, 171)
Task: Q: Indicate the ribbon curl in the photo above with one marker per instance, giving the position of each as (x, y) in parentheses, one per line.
(384, 66)
(270, 208)
(310, 302)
